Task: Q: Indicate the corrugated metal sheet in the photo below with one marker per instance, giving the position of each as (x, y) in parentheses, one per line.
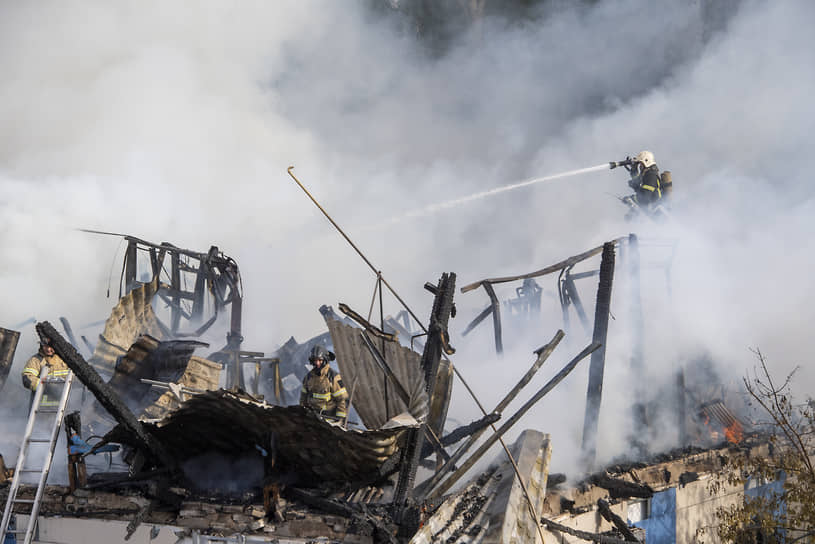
(314, 450)
(129, 319)
(361, 373)
(169, 361)
(493, 508)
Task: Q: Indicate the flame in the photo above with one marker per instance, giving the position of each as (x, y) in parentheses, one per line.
(734, 432)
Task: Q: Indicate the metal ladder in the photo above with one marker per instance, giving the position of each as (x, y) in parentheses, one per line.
(36, 409)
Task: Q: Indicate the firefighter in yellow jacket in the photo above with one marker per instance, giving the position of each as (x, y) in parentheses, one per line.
(322, 389)
(57, 369)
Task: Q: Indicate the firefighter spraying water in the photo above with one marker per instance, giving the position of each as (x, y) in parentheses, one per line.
(651, 189)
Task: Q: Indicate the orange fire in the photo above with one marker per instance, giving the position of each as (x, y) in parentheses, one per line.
(734, 432)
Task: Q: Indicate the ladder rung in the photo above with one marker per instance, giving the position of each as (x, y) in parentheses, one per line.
(30, 470)
(47, 410)
(40, 440)
(24, 501)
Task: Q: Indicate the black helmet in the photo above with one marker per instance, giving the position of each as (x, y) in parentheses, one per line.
(319, 352)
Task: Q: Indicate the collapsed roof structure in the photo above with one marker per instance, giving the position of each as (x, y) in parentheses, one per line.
(301, 476)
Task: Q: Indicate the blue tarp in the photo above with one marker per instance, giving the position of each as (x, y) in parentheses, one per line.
(660, 527)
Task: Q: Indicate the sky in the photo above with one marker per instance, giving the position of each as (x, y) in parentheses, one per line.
(178, 124)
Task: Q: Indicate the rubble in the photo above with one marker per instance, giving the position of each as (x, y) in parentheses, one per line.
(302, 477)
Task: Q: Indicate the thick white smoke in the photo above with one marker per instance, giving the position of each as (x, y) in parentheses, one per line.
(178, 124)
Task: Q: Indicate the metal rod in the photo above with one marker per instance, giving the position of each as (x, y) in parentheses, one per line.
(401, 301)
(364, 258)
(382, 340)
(571, 288)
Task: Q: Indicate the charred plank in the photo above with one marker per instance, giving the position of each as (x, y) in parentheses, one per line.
(106, 396)
(611, 517)
(621, 489)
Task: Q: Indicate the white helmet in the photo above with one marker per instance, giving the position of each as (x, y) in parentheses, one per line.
(646, 158)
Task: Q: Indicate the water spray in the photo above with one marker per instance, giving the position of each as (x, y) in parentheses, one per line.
(433, 208)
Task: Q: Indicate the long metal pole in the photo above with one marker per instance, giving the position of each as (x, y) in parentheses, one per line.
(359, 252)
(415, 318)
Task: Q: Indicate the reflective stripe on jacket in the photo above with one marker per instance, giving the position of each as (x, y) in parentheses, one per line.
(57, 370)
(324, 392)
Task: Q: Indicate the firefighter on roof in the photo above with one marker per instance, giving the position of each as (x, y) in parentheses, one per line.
(323, 390)
(651, 188)
(57, 370)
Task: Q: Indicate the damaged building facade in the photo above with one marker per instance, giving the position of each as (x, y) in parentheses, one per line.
(214, 448)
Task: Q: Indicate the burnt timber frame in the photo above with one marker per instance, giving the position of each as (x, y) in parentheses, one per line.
(598, 359)
(435, 346)
(564, 267)
(215, 273)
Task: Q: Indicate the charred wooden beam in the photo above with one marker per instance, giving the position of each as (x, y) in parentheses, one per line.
(385, 532)
(542, 353)
(621, 489)
(463, 432)
(571, 289)
(466, 430)
(496, 317)
(611, 517)
(448, 483)
(368, 326)
(105, 394)
(596, 369)
(583, 535)
(478, 319)
(175, 275)
(433, 349)
(571, 261)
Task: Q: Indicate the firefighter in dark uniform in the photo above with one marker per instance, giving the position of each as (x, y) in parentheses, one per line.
(57, 370)
(650, 189)
(323, 390)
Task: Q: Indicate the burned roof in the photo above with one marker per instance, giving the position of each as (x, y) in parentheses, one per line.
(234, 423)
